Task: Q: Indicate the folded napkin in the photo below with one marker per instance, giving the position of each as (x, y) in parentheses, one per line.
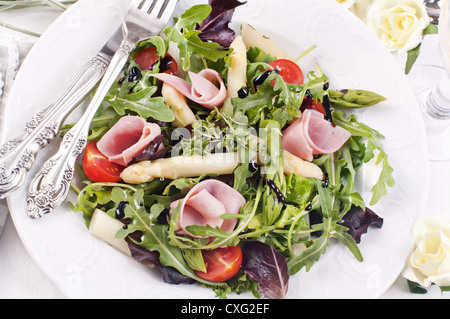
(13, 49)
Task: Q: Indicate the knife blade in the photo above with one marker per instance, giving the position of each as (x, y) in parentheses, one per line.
(18, 155)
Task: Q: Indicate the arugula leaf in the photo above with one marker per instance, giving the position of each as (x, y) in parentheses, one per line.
(373, 137)
(309, 256)
(141, 103)
(146, 107)
(329, 206)
(237, 284)
(385, 179)
(162, 46)
(255, 55)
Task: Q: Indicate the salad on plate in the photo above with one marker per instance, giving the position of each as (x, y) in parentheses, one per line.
(216, 160)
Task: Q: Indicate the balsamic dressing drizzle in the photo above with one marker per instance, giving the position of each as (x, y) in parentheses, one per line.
(135, 74)
(327, 105)
(277, 191)
(325, 181)
(243, 93)
(253, 166)
(165, 64)
(261, 78)
(120, 211)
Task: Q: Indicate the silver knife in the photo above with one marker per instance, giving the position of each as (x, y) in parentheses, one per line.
(18, 155)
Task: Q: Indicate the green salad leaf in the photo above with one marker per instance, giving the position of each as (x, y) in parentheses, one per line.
(373, 139)
(185, 34)
(330, 228)
(141, 103)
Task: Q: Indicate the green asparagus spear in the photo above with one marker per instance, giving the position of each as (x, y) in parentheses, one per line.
(354, 98)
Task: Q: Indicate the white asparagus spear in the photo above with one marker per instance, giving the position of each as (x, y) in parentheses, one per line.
(194, 166)
(295, 165)
(105, 228)
(180, 166)
(183, 113)
(237, 71)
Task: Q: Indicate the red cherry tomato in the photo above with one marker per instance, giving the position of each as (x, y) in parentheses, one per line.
(289, 71)
(221, 263)
(148, 57)
(98, 168)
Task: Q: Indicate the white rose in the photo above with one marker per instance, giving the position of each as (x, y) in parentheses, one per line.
(398, 23)
(360, 9)
(347, 3)
(430, 261)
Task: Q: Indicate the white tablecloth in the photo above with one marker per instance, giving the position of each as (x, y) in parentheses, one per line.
(21, 278)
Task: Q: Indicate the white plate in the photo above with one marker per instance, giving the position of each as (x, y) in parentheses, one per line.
(84, 267)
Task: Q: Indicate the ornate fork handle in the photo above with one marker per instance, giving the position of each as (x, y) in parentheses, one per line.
(50, 186)
(18, 155)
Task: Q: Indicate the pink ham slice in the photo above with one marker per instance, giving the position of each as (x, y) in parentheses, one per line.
(312, 134)
(202, 90)
(206, 203)
(127, 139)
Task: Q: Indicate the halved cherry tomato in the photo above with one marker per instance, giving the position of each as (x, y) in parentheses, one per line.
(312, 104)
(98, 168)
(289, 71)
(221, 263)
(148, 57)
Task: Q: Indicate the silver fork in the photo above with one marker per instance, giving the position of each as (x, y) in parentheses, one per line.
(49, 188)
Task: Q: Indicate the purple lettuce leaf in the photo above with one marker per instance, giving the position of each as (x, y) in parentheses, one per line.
(268, 267)
(142, 255)
(155, 150)
(358, 222)
(216, 27)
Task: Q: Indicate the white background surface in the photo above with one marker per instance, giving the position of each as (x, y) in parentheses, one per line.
(21, 278)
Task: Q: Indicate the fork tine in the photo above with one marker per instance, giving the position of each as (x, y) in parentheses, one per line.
(158, 8)
(148, 6)
(152, 6)
(141, 4)
(167, 9)
(163, 8)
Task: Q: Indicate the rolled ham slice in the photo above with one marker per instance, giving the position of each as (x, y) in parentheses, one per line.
(127, 139)
(206, 203)
(203, 89)
(312, 134)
